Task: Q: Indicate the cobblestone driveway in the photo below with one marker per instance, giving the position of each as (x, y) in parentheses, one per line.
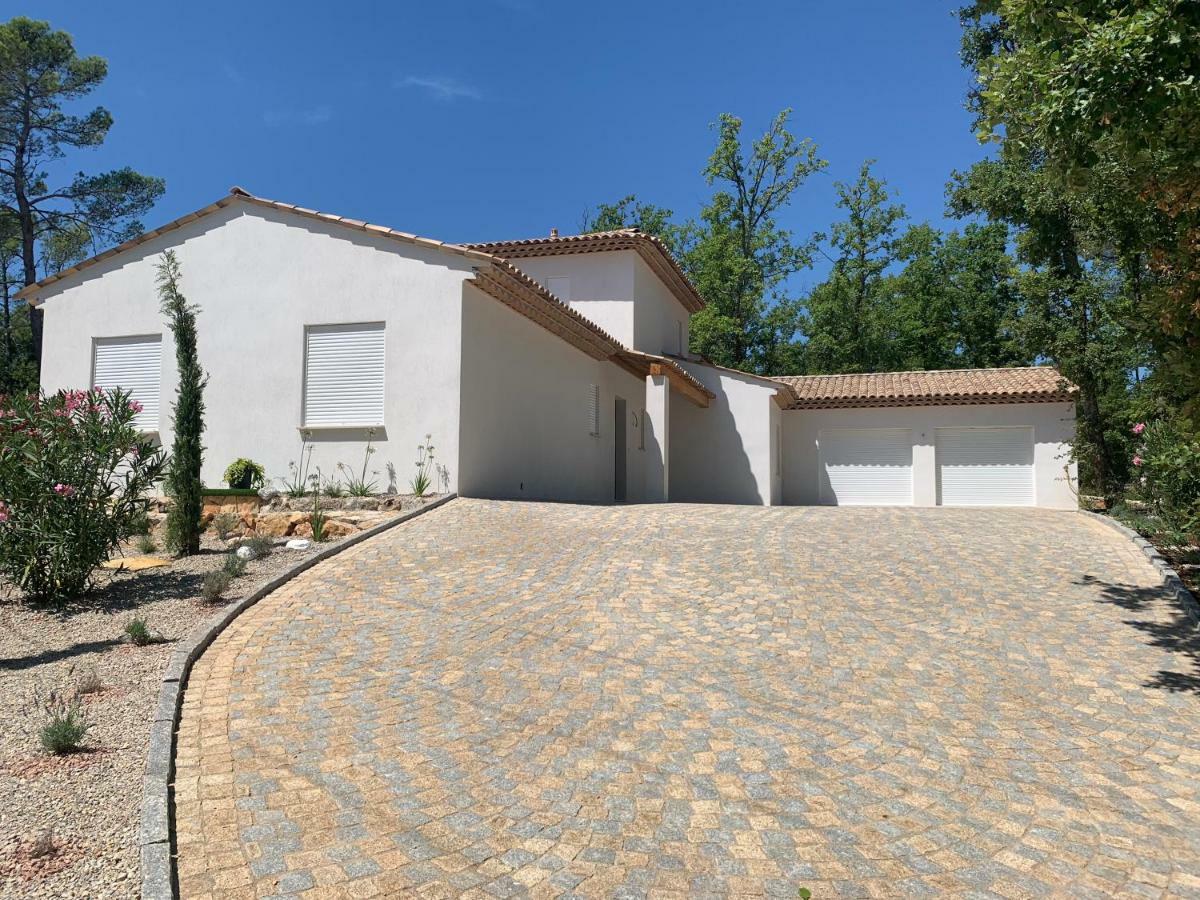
(503, 699)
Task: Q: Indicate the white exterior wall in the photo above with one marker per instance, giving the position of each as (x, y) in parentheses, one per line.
(777, 445)
(722, 453)
(525, 420)
(1053, 431)
(602, 286)
(659, 318)
(259, 277)
(620, 293)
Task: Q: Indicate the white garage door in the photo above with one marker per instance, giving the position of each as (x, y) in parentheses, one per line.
(985, 466)
(866, 466)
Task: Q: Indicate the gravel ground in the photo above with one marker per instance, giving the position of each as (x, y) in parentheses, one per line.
(84, 808)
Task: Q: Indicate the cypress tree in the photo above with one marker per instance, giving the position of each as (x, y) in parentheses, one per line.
(183, 477)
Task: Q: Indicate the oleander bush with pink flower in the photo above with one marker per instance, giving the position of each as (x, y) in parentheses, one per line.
(76, 475)
(1166, 465)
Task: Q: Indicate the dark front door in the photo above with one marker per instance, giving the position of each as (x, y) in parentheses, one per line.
(619, 450)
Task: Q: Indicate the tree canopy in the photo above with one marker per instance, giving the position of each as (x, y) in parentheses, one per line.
(58, 220)
(734, 250)
(1103, 99)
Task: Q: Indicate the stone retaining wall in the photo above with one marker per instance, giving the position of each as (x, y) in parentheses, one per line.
(283, 516)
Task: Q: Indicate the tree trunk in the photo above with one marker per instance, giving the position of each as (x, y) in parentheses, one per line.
(29, 266)
(28, 233)
(6, 382)
(1089, 400)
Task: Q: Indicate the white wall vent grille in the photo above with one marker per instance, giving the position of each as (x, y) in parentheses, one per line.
(593, 410)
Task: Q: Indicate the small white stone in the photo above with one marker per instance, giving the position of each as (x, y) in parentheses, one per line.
(268, 493)
(298, 544)
(245, 553)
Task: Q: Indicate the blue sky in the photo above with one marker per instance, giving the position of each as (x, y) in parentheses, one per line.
(498, 119)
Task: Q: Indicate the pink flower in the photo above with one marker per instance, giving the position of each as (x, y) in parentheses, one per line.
(4, 515)
(74, 399)
(1139, 427)
(1137, 460)
(64, 490)
(135, 406)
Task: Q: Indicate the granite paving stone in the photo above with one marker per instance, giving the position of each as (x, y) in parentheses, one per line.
(527, 699)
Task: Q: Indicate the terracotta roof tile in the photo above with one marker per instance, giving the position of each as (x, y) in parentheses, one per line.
(650, 248)
(1030, 384)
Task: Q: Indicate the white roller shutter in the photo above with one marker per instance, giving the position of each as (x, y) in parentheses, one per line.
(133, 364)
(985, 466)
(866, 466)
(344, 375)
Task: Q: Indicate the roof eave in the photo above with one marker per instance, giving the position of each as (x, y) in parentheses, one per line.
(649, 248)
(937, 400)
(240, 195)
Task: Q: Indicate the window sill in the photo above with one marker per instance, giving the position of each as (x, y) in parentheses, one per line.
(318, 428)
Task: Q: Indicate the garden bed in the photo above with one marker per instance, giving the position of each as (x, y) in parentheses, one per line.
(69, 824)
(1180, 554)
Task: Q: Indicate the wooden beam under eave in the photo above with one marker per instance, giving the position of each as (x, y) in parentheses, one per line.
(680, 384)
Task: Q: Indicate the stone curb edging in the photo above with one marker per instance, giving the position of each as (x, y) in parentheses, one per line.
(1170, 577)
(155, 834)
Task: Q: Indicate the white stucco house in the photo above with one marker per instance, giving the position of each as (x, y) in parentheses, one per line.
(554, 368)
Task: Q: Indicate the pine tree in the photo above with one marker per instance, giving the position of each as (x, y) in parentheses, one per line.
(183, 478)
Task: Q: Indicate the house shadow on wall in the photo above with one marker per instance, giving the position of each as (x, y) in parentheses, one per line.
(383, 470)
(709, 462)
(1179, 635)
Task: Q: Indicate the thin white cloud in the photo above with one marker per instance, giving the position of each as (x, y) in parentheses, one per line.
(441, 87)
(316, 115)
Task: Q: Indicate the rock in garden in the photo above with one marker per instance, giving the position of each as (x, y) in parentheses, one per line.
(298, 544)
(245, 553)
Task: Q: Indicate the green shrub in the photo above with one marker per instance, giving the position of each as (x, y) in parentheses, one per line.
(318, 518)
(146, 545)
(296, 484)
(140, 522)
(224, 523)
(233, 565)
(260, 544)
(89, 683)
(75, 472)
(1168, 467)
(139, 632)
(245, 473)
(215, 585)
(423, 479)
(65, 726)
(358, 484)
(183, 483)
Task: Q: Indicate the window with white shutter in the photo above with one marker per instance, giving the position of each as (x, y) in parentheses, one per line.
(133, 364)
(594, 409)
(343, 375)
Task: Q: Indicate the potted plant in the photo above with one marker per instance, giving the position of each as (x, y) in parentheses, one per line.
(244, 474)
